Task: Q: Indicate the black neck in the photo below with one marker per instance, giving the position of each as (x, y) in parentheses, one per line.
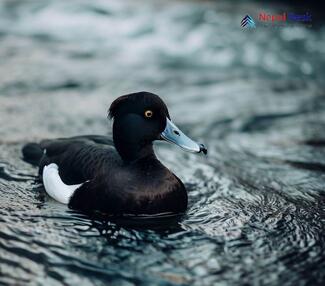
(130, 152)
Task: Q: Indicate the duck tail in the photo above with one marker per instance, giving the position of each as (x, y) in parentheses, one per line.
(32, 153)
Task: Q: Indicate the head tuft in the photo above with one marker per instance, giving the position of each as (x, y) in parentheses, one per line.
(112, 111)
(136, 98)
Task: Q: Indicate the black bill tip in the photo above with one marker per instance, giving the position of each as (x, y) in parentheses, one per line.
(203, 149)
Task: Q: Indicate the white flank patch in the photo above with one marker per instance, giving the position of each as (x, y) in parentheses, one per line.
(54, 186)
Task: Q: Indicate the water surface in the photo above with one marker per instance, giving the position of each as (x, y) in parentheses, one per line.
(255, 97)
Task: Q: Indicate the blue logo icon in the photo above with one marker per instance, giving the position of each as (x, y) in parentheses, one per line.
(248, 22)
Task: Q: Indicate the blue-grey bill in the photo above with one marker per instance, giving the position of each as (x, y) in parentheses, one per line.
(174, 135)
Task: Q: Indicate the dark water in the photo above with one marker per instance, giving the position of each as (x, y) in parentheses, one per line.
(256, 98)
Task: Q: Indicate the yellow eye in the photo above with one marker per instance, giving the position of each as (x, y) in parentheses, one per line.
(148, 113)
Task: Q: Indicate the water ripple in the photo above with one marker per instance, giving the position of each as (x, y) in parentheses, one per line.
(256, 202)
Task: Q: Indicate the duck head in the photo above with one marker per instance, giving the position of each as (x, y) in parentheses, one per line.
(141, 118)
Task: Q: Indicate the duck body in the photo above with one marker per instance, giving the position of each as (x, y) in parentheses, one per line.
(109, 184)
(119, 175)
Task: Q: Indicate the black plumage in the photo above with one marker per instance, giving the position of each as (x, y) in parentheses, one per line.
(119, 176)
